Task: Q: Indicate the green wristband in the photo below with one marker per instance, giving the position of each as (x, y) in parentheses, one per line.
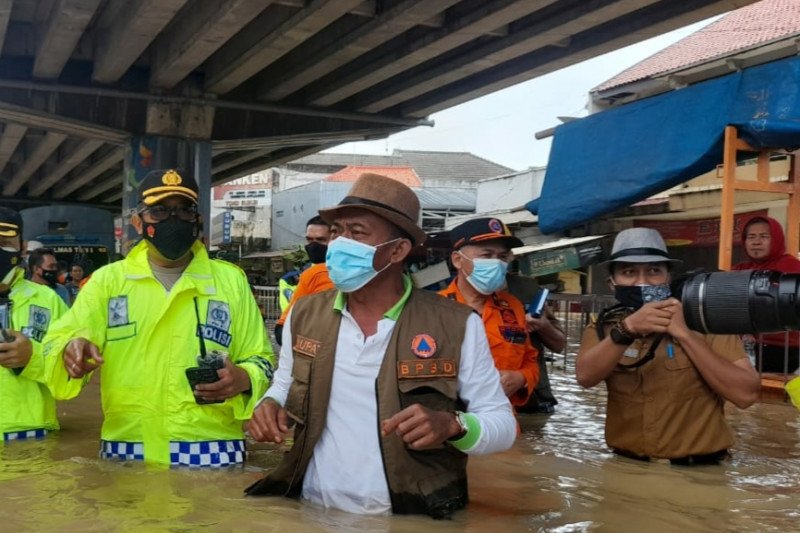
(473, 434)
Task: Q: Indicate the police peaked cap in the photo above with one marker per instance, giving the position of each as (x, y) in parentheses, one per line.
(160, 184)
(10, 223)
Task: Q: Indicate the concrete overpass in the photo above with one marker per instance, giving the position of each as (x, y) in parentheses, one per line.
(94, 92)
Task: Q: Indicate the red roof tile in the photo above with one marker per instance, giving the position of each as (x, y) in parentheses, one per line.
(405, 175)
(744, 28)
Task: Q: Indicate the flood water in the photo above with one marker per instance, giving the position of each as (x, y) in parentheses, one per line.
(559, 476)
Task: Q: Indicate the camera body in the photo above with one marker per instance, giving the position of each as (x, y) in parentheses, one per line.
(206, 372)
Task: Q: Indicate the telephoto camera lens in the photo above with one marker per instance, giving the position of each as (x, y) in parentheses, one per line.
(749, 301)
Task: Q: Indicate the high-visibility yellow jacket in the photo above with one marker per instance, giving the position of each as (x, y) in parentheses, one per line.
(25, 401)
(149, 337)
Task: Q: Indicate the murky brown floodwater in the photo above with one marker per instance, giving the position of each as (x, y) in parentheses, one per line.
(558, 477)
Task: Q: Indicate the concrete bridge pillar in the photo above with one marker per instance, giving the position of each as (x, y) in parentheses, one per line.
(177, 138)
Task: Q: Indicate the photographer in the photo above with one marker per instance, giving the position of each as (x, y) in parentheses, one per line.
(667, 385)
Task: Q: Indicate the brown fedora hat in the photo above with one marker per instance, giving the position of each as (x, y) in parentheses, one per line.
(385, 197)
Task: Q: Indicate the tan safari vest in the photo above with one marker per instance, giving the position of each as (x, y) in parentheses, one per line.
(430, 482)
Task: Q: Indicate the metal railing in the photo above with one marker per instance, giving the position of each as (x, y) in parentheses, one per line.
(575, 312)
(267, 298)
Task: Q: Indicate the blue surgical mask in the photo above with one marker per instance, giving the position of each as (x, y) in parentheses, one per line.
(488, 275)
(349, 263)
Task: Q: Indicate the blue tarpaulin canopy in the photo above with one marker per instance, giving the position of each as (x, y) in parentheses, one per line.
(618, 157)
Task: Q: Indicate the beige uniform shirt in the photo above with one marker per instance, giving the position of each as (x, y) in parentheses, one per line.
(664, 408)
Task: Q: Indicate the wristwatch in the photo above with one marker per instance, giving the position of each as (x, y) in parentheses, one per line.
(620, 335)
(462, 423)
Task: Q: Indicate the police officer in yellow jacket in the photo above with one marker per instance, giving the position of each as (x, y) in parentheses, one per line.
(27, 409)
(152, 319)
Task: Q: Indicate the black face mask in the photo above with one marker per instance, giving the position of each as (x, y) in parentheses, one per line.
(8, 260)
(50, 276)
(172, 237)
(316, 252)
(635, 296)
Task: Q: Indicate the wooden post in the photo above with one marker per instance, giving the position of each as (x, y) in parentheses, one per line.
(728, 198)
(793, 209)
(733, 145)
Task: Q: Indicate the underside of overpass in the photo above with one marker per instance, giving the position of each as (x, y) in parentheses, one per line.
(267, 81)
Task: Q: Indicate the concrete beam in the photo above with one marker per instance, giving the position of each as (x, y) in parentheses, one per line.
(43, 150)
(73, 159)
(624, 30)
(5, 16)
(388, 24)
(108, 160)
(481, 21)
(48, 121)
(135, 27)
(239, 159)
(117, 196)
(551, 27)
(115, 180)
(304, 139)
(67, 21)
(276, 158)
(246, 56)
(185, 44)
(12, 135)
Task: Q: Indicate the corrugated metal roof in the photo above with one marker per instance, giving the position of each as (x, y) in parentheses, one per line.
(440, 198)
(739, 30)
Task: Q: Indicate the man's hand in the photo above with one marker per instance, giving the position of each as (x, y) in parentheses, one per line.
(17, 353)
(421, 428)
(232, 381)
(81, 357)
(269, 423)
(537, 324)
(677, 326)
(512, 381)
(654, 317)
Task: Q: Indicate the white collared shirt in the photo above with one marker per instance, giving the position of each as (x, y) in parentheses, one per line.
(346, 470)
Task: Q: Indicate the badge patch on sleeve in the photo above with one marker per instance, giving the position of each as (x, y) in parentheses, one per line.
(118, 311)
(38, 322)
(218, 323)
(426, 368)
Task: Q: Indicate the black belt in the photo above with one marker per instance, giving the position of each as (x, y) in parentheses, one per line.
(690, 460)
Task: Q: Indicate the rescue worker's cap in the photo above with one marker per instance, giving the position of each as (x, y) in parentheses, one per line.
(10, 223)
(480, 230)
(387, 198)
(160, 184)
(640, 245)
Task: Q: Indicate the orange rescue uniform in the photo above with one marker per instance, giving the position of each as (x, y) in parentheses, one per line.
(504, 321)
(312, 280)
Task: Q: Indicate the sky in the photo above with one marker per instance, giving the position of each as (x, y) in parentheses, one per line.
(501, 126)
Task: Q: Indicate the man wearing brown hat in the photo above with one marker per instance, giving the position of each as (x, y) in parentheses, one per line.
(174, 332)
(389, 387)
(481, 254)
(27, 309)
